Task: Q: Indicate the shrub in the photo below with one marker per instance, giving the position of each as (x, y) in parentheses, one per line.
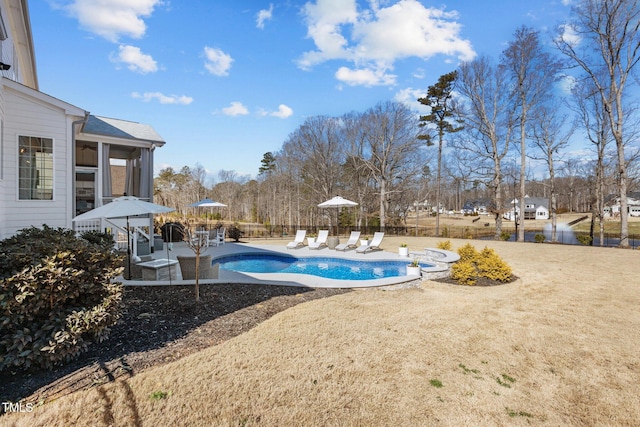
(464, 272)
(235, 233)
(468, 253)
(103, 240)
(505, 235)
(491, 266)
(445, 231)
(539, 238)
(56, 295)
(473, 265)
(445, 245)
(584, 239)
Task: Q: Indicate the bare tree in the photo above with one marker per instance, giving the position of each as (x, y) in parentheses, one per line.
(532, 72)
(549, 138)
(603, 39)
(391, 148)
(488, 118)
(595, 123)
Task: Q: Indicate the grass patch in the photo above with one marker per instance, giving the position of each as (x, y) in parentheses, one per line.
(467, 370)
(513, 413)
(159, 395)
(505, 380)
(436, 383)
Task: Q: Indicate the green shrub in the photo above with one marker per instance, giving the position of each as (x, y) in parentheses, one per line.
(505, 235)
(445, 245)
(464, 272)
(56, 296)
(539, 238)
(468, 253)
(104, 240)
(491, 266)
(584, 239)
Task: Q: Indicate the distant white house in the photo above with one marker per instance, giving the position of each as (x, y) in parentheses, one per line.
(56, 159)
(534, 208)
(612, 208)
(479, 207)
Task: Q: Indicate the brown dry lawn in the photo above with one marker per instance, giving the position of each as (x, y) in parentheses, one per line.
(557, 347)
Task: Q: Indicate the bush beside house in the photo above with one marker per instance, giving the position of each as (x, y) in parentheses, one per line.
(56, 295)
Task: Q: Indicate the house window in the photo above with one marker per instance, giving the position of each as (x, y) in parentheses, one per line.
(35, 168)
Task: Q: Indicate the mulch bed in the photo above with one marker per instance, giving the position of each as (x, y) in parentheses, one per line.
(159, 324)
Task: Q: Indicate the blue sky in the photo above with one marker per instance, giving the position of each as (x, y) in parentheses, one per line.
(223, 81)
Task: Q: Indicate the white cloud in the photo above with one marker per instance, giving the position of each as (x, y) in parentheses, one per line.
(567, 83)
(283, 112)
(409, 96)
(365, 77)
(113, 19)
(217, 62)
(569, 35)
(264, 15)
(163, 99)
(373, 39)
(136, 60)
(236, 109)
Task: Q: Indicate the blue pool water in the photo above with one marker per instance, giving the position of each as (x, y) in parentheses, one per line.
(330, 268)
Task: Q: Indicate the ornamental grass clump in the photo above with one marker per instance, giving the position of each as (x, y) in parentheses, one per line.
(474, 265)
(56, 296)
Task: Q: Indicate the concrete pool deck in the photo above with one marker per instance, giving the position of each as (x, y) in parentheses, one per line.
(285, 279)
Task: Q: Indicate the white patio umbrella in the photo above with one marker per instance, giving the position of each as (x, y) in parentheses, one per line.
(124, 207)
(337, 202)
(207, 203)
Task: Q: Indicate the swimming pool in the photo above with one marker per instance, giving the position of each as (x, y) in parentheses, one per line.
(329, 268)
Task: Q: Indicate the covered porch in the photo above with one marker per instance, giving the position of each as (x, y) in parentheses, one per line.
(114, 158)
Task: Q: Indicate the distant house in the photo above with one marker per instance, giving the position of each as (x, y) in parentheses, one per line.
(534, 208)
(612, 205)
(56, 159)
(473, 207)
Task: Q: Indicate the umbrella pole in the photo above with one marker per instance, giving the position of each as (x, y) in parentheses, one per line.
(128, 250)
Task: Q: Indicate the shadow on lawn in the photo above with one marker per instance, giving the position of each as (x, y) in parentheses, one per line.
(159, 324)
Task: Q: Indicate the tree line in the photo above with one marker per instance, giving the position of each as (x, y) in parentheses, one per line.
(495, 124)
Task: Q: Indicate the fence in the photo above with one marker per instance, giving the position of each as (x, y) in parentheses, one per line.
(482, 231)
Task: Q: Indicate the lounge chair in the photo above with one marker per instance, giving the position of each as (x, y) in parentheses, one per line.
(373, 246)
(321, 241)
(217, 236)
(298, 241)
(352, 243)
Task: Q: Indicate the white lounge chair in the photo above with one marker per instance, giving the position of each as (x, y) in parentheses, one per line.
(373, 246)
(217, 236)
(321, 241)
(352, 243)
(298, 241)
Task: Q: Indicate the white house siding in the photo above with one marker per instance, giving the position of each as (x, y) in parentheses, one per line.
(3, 162)
(31, 115)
